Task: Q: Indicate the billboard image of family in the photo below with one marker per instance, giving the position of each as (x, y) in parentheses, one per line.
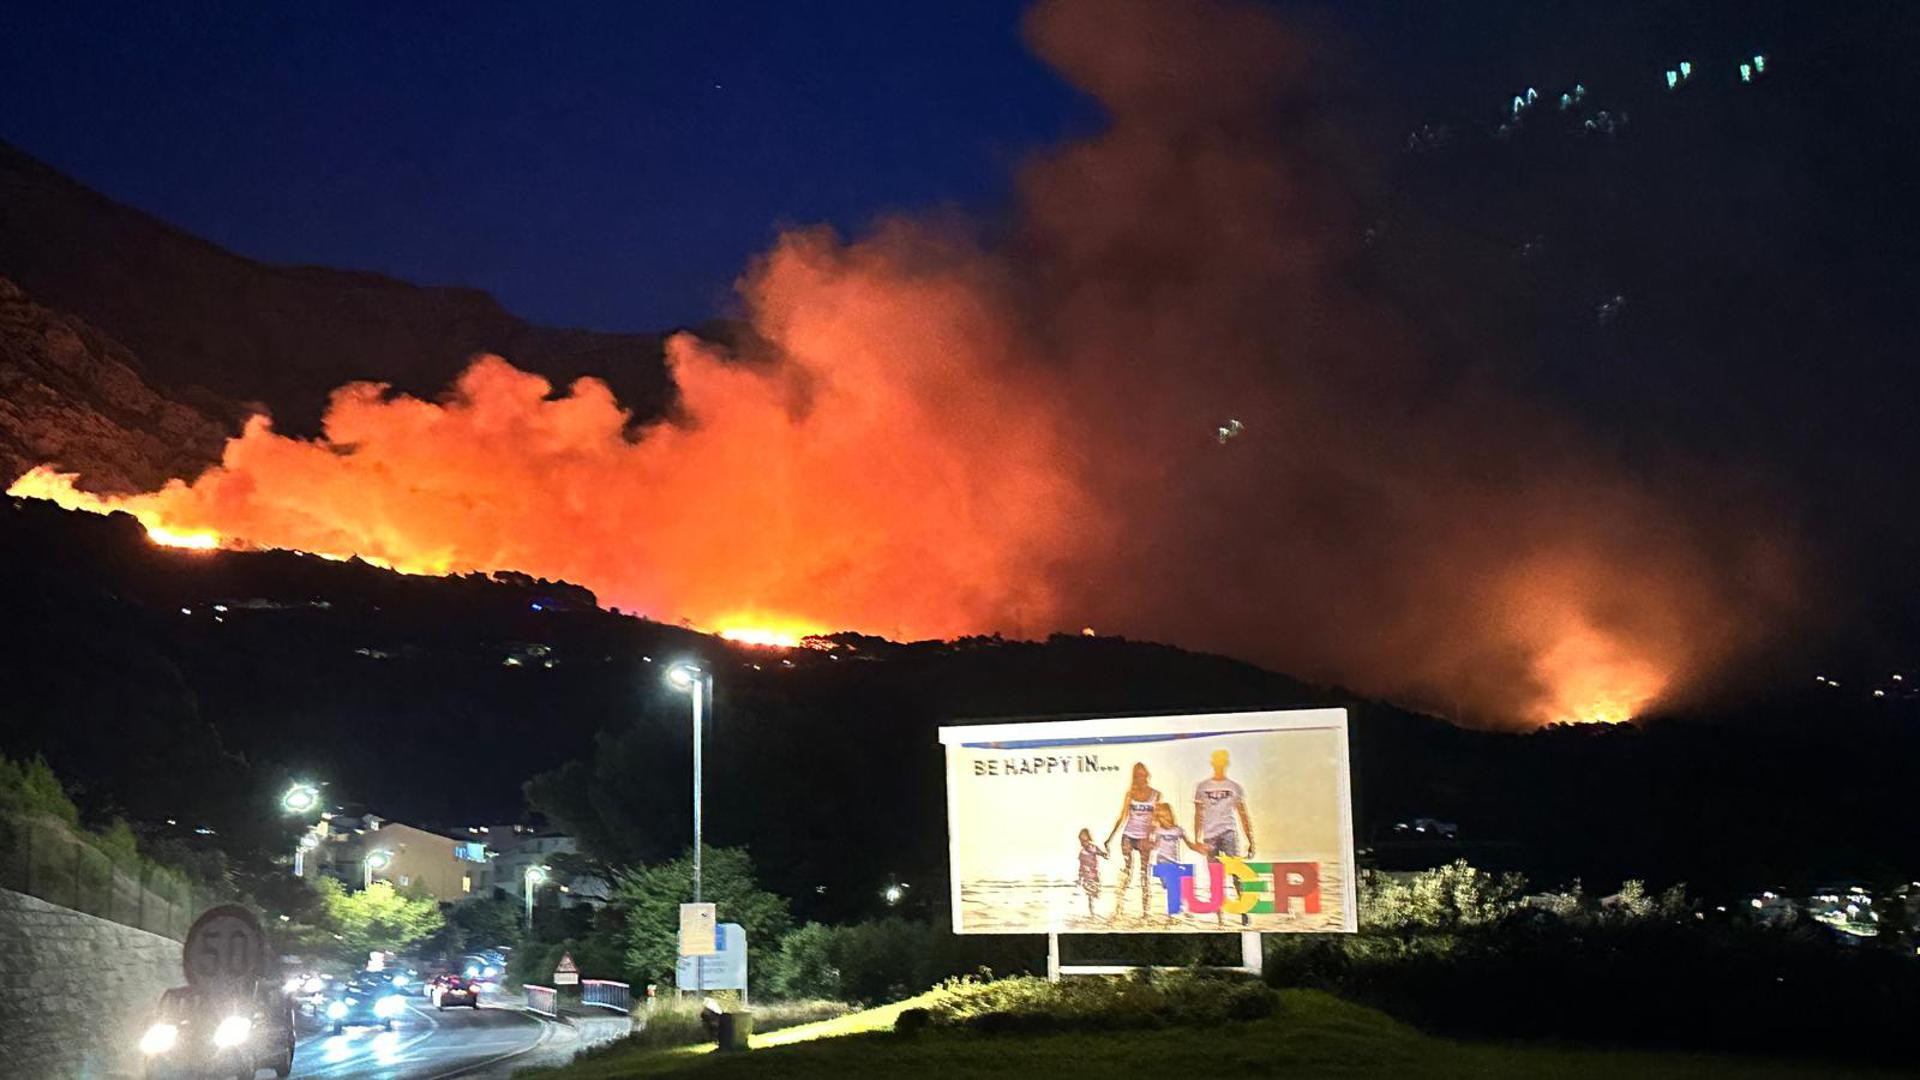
(1223, 822)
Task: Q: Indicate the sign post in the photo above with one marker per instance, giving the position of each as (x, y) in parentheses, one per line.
(725, 968)
(699, 936)
(226, 950)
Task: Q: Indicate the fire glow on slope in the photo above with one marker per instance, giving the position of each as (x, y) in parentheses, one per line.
(47, 482)
(939, 431)
(764, 512)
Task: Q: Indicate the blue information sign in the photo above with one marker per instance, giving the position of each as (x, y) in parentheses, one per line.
(723, 970)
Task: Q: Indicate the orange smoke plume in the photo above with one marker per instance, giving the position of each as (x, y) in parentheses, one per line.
(938, 433)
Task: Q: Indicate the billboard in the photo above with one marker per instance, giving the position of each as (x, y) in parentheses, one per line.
(1219, 822)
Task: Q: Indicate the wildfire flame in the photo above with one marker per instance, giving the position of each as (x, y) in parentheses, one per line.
(46, 482)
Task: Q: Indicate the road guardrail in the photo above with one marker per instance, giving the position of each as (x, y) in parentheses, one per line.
(543, 1000)
(607, 994)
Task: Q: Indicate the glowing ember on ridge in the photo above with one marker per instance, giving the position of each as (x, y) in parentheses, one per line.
(773, 639)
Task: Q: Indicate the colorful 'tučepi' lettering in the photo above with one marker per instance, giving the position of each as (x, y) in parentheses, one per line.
(1289, 880)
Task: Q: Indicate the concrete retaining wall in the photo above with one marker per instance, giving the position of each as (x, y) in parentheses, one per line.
(75, 990)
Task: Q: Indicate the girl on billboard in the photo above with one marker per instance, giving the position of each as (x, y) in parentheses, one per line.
(1168, 837)
(1136, 841)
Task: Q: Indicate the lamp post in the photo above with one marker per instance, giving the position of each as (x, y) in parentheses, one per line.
(375, 860)
(696, 683)
(530, 880)
(308, 841)
(301, 799)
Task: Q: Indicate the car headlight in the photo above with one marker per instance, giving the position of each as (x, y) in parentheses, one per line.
(232, 1031)
(336, 1010)
(159, 1039)
(388, 1007)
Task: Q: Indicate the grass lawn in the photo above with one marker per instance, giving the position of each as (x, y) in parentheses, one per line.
(1315, 1034)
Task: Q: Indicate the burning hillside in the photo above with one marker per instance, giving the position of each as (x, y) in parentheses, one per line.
(941, 431)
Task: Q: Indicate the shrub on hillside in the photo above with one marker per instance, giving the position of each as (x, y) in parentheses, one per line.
(1028, 1004)
(1458, 951)
(869, 962)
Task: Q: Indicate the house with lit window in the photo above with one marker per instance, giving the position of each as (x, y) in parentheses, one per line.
(359, 850)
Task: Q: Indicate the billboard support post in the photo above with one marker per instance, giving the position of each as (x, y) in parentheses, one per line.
(1053, 957)
(1251, 956)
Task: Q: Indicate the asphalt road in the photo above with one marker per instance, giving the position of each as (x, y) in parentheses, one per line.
(426, 1044)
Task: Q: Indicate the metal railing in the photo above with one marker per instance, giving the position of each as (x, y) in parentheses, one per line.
(607, 994)
(41, 856)
(543, 1000)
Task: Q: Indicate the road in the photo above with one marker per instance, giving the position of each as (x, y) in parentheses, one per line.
(427, 1045)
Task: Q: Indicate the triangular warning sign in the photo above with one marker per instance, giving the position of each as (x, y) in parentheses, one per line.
(566, 963)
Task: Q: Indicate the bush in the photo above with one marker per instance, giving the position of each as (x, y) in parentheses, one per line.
(30, 787)
(1028, 1005)
(870, 962)
(1456, 951)
(651, 897)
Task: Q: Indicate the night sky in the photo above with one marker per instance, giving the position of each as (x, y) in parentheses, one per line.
(616, 165)
(611, 165)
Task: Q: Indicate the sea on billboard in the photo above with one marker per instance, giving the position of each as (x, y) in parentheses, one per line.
(1220, 822)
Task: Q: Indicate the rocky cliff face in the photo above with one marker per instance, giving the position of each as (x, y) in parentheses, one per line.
(210, 326)
(72, 397)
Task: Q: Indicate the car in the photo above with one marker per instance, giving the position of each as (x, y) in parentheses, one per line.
(457, 990)
(198, 1034)
(367, 1000)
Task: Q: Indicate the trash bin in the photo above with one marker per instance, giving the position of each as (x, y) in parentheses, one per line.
(735, 1028)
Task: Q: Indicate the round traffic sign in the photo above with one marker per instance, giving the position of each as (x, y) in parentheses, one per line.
(225, 947)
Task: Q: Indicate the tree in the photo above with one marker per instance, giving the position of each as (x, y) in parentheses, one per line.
(652, 897)
(378, 917)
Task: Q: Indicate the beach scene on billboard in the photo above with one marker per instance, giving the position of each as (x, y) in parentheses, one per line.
(1219, 822)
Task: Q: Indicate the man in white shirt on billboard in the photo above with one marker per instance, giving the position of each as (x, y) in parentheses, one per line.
(1220, 815)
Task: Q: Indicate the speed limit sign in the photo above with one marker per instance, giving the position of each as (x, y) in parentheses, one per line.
(226, 947)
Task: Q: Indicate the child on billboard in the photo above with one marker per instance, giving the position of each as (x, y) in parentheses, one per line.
(1136, 842)
(1168, 837)
(1090, 856)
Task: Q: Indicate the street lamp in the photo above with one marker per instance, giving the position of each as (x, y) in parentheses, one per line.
(696, 683)
(533, 877)
(375, 860)
(299, 801)
(300, 798)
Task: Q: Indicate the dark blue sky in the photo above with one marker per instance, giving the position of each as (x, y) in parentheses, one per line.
(615, 165)
(609, 165)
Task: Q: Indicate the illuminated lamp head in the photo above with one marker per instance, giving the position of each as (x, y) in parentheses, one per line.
(684, 676)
